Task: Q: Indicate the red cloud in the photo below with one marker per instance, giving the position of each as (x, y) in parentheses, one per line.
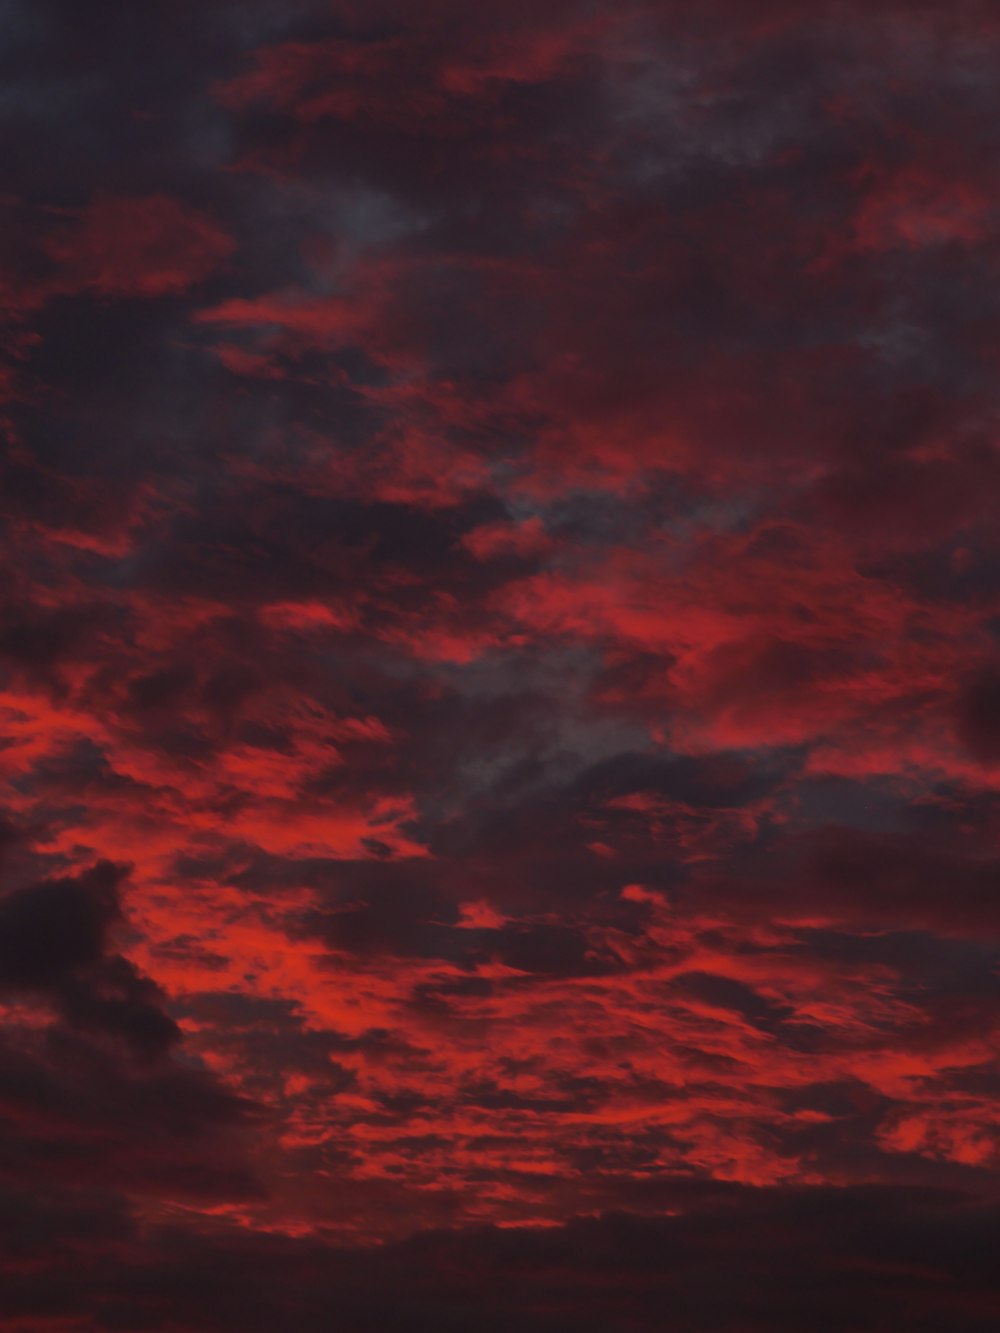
(137, 247)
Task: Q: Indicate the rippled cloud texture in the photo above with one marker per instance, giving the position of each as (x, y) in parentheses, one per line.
(500, 664)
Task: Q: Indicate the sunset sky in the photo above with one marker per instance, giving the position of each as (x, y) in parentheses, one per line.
(500, 666)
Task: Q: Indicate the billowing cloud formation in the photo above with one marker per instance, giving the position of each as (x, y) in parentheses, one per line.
(499, 666)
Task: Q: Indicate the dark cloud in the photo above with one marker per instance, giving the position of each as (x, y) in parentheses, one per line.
(50, 930)
(54, 941)
(848, 1258)
(978, 715)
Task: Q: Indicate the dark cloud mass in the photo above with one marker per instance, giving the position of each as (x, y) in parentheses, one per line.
(499, 668)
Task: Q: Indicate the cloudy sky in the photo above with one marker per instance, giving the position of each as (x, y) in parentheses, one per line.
(499, 666)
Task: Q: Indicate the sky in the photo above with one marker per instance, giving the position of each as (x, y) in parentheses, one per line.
(499, 666)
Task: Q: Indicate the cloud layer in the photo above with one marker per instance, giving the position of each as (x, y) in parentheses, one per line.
(499, 666)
